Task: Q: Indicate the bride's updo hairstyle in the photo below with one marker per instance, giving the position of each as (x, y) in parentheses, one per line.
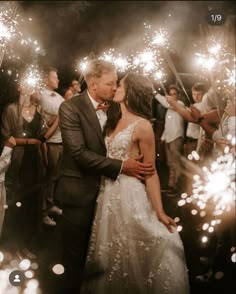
(139, 94)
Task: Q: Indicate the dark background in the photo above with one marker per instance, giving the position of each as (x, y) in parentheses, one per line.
(70, 30)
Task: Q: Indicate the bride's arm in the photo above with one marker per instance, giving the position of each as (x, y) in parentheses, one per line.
(144, 135)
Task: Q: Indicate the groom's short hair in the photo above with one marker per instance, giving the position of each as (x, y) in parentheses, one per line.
(96, 68)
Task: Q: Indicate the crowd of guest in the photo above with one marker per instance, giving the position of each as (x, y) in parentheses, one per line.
(32, 170)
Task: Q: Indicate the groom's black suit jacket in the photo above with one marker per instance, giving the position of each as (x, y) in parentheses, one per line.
(84, 156)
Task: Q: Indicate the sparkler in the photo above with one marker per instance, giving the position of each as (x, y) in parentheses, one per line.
(83, 65)
(172, 66)
(229, 80)
(7, 28)
(159, 42)
(230, 77)
(36, 48)
(213, 57)
(159, 76)
(211, 62)
(11, 33)
(146, 60)
(149, 62)
(160, 39)
(213, 191)
(156, 39)
(121, 62)
(32, 78)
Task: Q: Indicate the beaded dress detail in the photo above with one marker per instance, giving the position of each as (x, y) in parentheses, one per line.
(130, 250)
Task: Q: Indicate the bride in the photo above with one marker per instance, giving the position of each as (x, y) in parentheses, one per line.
(134, 245)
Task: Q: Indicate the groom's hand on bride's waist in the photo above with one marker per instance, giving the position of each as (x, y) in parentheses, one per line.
(137, 169)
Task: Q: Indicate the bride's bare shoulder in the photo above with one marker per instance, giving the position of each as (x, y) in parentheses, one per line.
(143, 129)
(144, 124)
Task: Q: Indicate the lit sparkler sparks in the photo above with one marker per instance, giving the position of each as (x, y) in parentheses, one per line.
(145, 60)
(156, 41)
(157, 38)
(36, 48)
(7, 25)
(160, 38)
(32, 78)
(159, 75)
(149, 62)
(214, 191)
(4, 30)
(121, 62)
(230, 74)
(206, 63)
(13, 36)
(215, 49)
(212, 57)
(83, 64)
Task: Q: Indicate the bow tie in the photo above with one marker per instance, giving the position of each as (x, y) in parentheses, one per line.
(53, 94)
(103, 107)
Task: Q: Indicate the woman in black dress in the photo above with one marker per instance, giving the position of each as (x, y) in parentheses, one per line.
(23, 120)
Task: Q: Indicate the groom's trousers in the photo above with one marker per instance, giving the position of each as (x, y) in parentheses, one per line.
(76, 228)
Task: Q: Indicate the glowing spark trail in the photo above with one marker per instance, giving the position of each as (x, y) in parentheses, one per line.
(7, 28)
(214, 190)
(32, 78)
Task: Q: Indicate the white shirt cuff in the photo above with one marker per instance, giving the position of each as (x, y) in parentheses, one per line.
(121, 168)
(6, 151)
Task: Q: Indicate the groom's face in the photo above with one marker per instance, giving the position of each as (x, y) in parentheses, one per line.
(106, 85)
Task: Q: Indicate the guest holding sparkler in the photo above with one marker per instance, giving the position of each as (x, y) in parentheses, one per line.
(212, 110)
(225, 130)
(173, 136)
(220, 264)
(23, 120)
(193, 129)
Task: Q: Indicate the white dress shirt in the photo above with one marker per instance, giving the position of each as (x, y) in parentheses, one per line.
(5, 160)
(50, 102)
(102, 116)
(174, 123)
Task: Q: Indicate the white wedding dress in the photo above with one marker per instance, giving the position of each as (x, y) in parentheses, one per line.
(131, 251)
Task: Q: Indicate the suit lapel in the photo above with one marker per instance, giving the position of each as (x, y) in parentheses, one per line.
(91, 116)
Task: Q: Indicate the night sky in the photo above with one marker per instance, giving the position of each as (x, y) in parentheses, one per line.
(70, 30)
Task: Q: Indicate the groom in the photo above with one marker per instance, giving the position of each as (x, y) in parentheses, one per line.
(84, 161)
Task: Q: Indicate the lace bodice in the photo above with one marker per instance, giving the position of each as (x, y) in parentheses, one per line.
(120, 146)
